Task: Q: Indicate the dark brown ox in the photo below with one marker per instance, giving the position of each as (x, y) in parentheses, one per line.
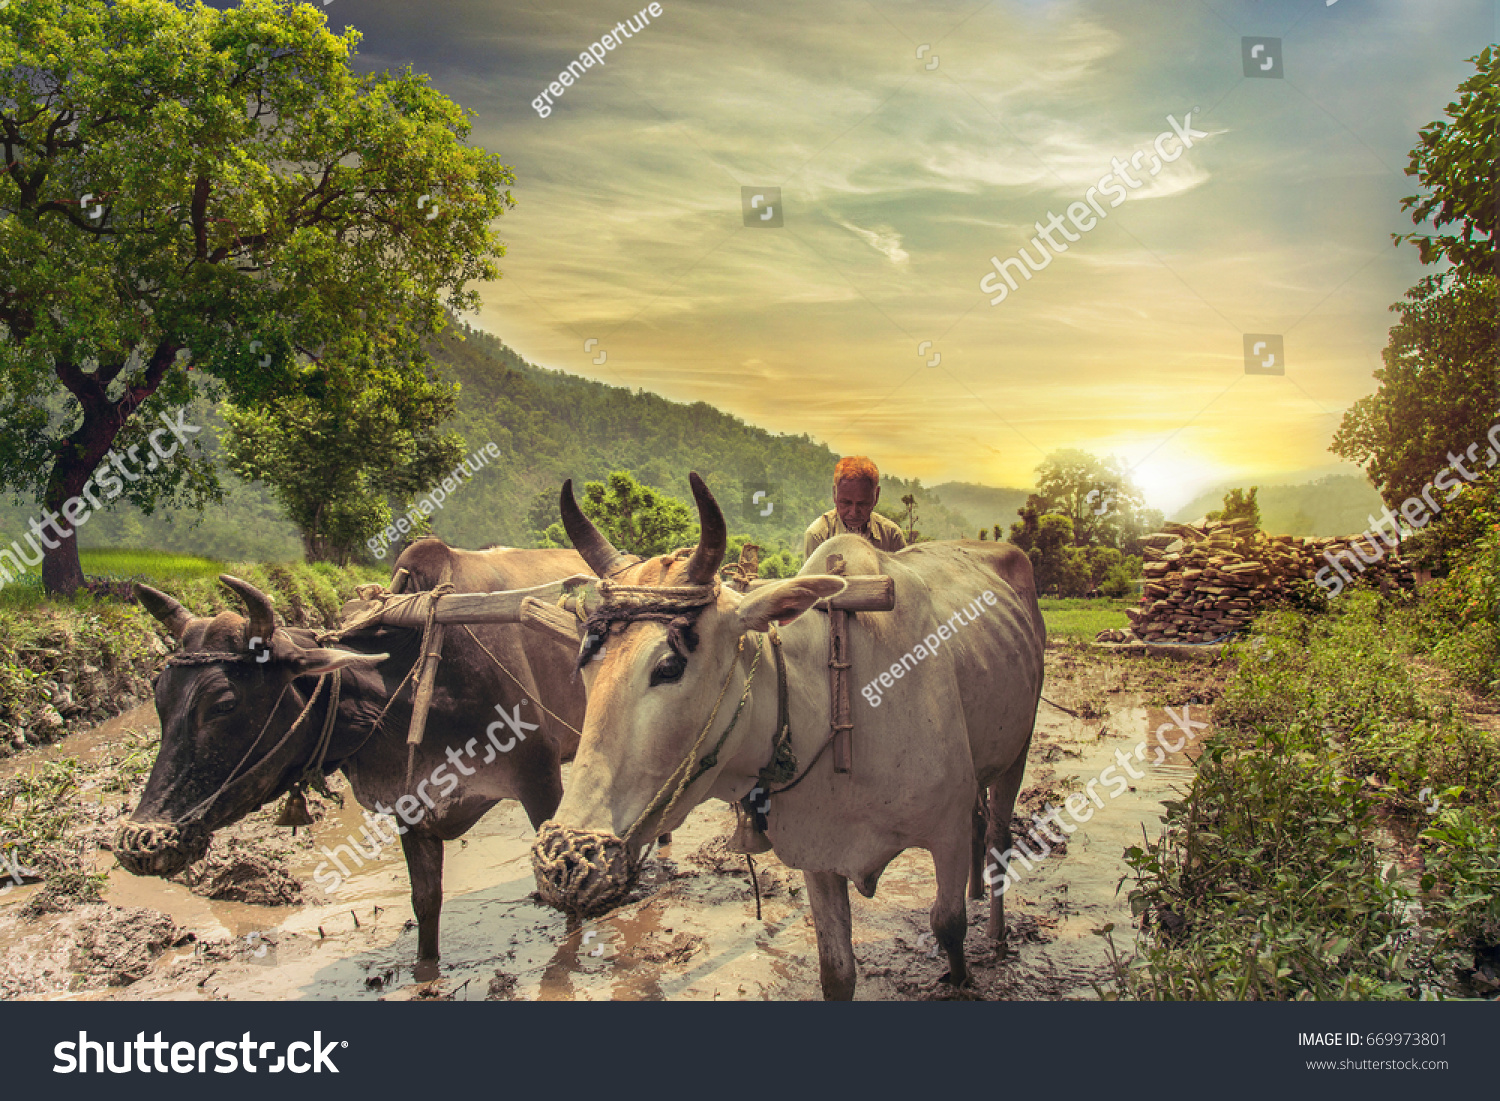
(957, 725)
(213, 769)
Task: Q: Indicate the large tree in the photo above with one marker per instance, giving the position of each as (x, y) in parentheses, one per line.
(635, 518)
(334, 458)
(1439, 388)
(184, 187)
(1097, 495)
(1440, 381)
(1454, 161)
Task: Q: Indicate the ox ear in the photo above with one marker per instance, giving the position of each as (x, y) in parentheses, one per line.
(783, 602)
(318, 660)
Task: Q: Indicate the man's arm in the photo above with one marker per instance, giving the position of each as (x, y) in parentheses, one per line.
(891, 536)
(812, 540)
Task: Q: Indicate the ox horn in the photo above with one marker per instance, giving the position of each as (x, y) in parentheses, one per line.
(587, 540)
(713, 536)
(171, 614)
(262, 619)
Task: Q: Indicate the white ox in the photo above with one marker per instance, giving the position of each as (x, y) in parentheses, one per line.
(958, 723)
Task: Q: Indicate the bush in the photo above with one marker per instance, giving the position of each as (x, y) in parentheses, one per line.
(1118, 583)
(1268, 881)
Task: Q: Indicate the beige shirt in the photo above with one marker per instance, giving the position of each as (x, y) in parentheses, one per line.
(883, 533)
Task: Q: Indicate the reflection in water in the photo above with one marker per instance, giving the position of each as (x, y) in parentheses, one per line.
(692, 934)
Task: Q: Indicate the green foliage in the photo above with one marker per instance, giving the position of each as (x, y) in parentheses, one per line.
(1439, 389)
(333, 460)
(1466, 864)
(1046, 538)
(1268, 881)
(1119, 581)
(781, 564)
(36, 806)
(1264, 885)
(1082, 619)
(635, 518)
(251, 199)
(1454, 161)
(1461, 614)
(1239, 505)
(1351, 669)
(1105, 506)
(152, 567)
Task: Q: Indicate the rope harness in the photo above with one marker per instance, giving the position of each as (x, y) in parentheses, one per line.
(312, 772)
(382, 600)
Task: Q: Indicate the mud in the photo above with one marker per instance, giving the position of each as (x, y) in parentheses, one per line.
(691, 933)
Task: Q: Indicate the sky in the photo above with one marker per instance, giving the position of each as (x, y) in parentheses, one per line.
(911, 142)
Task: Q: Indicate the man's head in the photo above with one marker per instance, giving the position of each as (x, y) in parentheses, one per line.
(856, 490)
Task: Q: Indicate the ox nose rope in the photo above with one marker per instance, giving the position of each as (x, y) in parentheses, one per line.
(198, 811)
(684, 774)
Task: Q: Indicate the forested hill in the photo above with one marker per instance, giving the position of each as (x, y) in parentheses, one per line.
(550, 426)
(547, 426)
(1338, 504)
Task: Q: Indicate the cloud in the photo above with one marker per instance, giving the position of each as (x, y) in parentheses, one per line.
(883, 240)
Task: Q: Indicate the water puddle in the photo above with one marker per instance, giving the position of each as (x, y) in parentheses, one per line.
(694, 936)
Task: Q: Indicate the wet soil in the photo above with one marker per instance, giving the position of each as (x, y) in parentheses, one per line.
(251, 923)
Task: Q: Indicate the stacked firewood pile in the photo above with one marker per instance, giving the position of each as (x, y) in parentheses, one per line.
(1202, 583)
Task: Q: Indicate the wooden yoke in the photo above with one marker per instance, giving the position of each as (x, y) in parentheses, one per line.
(432, 653)
(536, 609)
(865, 593)
(840, 716)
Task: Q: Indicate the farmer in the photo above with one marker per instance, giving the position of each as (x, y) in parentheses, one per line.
(856, 490)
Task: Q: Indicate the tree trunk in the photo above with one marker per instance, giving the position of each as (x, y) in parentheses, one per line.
(81, 454)
(62, 572)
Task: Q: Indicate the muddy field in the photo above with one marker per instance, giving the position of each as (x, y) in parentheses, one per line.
(251, 923)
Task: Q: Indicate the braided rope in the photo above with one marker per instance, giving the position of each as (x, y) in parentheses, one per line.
(196, 812)
(676, 605)
(686, 767)
(580, 871)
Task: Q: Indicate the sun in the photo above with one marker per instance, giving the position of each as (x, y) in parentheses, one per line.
(1170, 479)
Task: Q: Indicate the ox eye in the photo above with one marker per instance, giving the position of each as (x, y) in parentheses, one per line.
(225, 706)
(668, 670)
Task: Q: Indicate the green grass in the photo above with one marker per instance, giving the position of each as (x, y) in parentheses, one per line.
(1076, 617)
(1274, 878)
(146, 564)
(154, 567)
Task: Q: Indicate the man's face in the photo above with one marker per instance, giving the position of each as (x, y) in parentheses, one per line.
(855, 499)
